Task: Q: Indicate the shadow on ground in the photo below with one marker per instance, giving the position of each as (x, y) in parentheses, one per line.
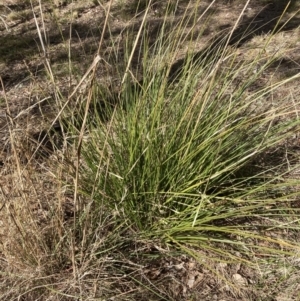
(266, 21)
(24, 46)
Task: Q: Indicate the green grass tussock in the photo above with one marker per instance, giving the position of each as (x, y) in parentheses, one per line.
(173, 161)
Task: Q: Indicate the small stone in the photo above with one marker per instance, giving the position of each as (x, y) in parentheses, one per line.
(238, 279)
(191, 281)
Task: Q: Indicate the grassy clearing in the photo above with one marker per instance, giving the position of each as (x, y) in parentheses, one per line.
(172, 175)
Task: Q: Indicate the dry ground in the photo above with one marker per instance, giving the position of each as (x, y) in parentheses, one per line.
(28, 100)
